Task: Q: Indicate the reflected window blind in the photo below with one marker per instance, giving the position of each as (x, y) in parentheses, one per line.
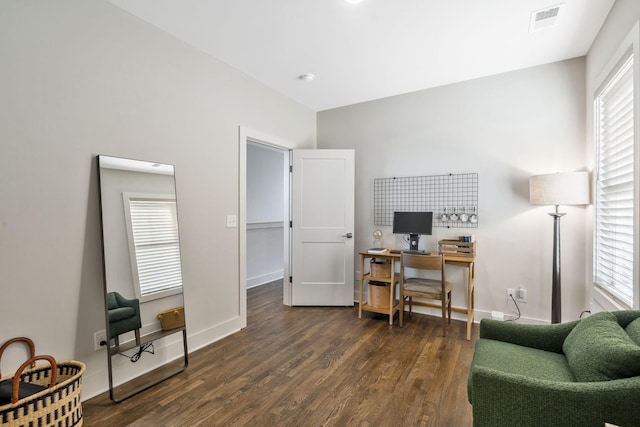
(154, 224)
(614, 186)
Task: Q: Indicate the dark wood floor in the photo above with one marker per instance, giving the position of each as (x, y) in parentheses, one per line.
(312, 366)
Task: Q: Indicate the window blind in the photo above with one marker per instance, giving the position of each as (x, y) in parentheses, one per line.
(154, 225)
(614, 186)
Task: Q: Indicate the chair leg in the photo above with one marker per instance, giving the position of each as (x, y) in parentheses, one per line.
(116, 341)
(137, 332)
(444, 317)
(449, 307)
(401, 315)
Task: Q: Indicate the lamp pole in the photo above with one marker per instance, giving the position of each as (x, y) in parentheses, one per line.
(556, 298)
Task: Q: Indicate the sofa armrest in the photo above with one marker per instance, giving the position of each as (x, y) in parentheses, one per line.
(501, 399)
(543, 337)
(126, 302)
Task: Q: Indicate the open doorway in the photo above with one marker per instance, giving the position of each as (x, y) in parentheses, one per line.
(266, 214)
(260, 219)
(321, 235)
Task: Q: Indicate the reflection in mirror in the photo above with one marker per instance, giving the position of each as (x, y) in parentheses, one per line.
(142, 274)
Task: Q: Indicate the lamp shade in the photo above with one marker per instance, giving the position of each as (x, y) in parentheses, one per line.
(566, 188)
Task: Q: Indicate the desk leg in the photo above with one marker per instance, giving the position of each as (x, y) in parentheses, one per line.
(392, 292)
(470, 299)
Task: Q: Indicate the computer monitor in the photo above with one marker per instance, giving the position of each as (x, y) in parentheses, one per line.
(414, 224)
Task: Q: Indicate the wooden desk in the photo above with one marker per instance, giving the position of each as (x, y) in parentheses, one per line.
(459, 261)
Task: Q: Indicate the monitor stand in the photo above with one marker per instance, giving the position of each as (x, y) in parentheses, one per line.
(413, 243)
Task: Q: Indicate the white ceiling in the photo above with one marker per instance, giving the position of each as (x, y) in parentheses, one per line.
(377, 48)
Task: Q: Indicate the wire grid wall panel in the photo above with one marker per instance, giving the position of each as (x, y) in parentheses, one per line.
(440, 194)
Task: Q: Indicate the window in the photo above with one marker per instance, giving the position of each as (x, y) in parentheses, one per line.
(615, 232)
(152, 227)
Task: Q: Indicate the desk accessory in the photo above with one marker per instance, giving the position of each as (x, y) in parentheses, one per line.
(433, 193)
(457, 247)
(377, 250)
(464, 217)
(377, 238)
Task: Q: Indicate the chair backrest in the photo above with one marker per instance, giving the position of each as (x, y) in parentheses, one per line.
(424, 262)
(112, 301)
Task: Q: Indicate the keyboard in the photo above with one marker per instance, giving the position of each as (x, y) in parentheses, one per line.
(407, 251)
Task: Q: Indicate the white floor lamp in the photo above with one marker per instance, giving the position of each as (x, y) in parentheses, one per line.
(567, 188)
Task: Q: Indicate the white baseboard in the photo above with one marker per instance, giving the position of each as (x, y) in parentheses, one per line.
(264, 278)
(478, 314)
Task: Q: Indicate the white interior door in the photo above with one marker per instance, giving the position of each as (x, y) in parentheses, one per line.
(322, 215)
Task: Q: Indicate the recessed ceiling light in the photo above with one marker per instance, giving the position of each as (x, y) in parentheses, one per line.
(307, 77)
(353, 1)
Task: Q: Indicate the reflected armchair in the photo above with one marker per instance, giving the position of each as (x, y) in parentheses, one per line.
(124, 316)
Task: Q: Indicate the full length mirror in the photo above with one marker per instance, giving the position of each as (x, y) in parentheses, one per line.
(144, 304)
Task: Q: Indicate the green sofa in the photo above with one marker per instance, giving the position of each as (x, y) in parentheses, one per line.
(581, 373)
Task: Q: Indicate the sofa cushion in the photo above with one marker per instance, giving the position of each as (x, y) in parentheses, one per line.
(633, 330)
(121, 313)
(520, 360)
(598, 349)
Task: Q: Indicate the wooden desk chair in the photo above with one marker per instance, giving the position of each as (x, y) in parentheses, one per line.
(434, 289)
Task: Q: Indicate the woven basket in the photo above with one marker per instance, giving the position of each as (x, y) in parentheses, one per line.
(380, 268)
(58, 405)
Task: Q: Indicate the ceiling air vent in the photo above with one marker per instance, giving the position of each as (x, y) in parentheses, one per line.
(544, 18)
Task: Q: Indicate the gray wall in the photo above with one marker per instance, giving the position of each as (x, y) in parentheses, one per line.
(506, 128)
(80, 78)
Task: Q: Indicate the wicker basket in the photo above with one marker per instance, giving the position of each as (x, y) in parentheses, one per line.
(58, 405)
(379, 294)
(380, 268)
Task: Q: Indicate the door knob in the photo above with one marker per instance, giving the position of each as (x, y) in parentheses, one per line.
(348, 235)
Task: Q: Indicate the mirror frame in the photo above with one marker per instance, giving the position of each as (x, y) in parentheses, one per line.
(154, 376)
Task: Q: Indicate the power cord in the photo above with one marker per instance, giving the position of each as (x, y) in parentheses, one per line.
(518, 308)
(144, 348)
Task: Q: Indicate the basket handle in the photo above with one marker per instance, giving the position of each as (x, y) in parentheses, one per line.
(32, 348)
(32, 361)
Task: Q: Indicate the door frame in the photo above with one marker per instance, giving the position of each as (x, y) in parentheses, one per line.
(245, 137)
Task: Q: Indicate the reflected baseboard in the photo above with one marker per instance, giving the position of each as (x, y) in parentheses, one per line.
(153, 336)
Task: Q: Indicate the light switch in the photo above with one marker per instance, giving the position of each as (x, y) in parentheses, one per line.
(232, 221)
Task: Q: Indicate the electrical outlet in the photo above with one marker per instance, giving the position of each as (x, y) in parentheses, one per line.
(511, 292)
(99, 337)
(522, 295)
(232, 221)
